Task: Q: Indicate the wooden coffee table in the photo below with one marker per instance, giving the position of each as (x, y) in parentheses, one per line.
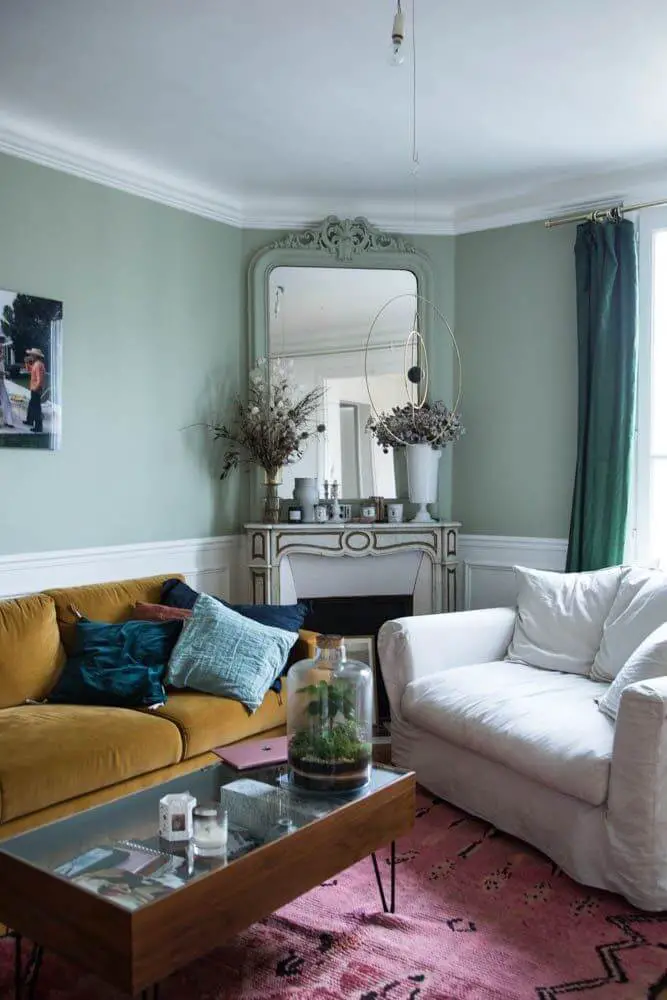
(134, 934)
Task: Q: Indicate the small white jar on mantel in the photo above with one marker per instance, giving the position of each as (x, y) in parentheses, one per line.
(306, 494)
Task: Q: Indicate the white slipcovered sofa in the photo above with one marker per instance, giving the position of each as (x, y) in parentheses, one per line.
(525, 745)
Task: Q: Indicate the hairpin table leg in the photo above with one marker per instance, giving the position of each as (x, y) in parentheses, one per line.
(25, 978)
(391, 908)
(18, 968)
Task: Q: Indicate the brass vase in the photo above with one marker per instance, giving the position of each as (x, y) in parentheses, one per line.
(272, 480)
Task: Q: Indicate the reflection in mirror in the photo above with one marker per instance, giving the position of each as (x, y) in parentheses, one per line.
(319, 319)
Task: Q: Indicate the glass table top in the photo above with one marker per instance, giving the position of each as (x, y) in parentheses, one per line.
(114, 850)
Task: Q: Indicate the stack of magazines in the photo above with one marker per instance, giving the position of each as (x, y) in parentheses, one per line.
(134, 873)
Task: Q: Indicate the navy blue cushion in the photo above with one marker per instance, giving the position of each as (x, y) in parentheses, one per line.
(290, 617)
(121, 665)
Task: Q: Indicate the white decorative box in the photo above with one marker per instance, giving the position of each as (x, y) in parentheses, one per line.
(176, 816)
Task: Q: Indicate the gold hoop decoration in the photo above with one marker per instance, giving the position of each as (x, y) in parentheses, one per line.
(415, 335)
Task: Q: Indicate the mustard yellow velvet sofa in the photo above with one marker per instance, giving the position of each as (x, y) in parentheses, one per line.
(58, 759)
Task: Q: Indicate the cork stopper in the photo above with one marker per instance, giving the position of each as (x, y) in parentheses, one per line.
(329, 641)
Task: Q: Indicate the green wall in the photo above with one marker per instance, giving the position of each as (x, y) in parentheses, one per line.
(153, 343)
(516, 327)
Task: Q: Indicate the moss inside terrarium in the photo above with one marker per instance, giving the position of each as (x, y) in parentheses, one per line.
(340, 743)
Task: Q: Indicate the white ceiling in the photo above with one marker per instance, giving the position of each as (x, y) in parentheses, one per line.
(277, 112)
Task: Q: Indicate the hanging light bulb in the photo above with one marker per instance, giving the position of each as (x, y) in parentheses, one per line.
(396, 56)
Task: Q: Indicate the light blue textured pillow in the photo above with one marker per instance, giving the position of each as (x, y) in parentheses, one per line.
(222, 652)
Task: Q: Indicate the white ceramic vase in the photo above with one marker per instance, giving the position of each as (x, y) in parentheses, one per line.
(423, 462)
(306, 493)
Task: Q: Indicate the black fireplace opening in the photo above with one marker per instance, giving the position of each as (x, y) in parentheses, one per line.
(359, 616)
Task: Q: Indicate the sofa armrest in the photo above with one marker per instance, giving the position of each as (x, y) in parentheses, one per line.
(428, 644)
(637, 804)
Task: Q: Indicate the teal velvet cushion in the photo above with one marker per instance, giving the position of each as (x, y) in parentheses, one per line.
(121, 665)
(86, 683)
(222, 652)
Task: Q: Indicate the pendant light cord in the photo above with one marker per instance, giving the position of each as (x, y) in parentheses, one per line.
(415, 151)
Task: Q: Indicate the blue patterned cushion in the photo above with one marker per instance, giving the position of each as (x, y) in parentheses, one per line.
(221, 652)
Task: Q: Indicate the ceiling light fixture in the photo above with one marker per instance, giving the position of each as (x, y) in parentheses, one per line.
(396, 56)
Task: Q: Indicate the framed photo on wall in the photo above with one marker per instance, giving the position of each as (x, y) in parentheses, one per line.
(30, 371)
(362, 648)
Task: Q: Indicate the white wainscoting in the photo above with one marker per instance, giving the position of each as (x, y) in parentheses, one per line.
(488, 580)
(219, 565)
(210, 564)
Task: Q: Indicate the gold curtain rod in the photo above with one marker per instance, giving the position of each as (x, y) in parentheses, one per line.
(612, 214)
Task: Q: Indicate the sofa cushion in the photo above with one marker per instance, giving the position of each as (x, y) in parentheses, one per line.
(647, 662)
(31, 654)
(560, 617)
(290, 617)
(102, 602)
(84, 682)
(542, 724)
(119, 664)
(222, 652)
(207, 721)
(640, 607)
(159, 613)
(50, 753)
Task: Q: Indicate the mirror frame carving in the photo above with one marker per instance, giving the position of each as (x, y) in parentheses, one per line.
(334, 242)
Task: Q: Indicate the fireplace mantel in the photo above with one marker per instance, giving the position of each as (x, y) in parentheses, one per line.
(275, 550)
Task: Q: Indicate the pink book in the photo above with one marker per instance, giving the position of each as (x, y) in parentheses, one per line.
(255, 753)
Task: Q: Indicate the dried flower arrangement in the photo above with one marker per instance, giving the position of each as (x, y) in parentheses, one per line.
(432, 423)
(274, 427)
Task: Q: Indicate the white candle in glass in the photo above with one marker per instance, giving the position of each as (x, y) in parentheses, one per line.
(210, 830)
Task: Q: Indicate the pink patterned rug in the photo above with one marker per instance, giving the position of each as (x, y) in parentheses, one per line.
(480, 917)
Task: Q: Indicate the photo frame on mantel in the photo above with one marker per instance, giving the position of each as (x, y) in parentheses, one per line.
(332, 243)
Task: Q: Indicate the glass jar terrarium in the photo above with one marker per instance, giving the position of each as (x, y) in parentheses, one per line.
(330, 719)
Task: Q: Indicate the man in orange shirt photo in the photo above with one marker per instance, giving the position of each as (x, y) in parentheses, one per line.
(35, 363)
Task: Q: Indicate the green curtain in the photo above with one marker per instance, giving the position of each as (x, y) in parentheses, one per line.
(606, 271)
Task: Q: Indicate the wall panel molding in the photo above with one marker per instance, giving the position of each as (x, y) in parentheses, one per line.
(488, 579)
(218, 565)
(210, 564)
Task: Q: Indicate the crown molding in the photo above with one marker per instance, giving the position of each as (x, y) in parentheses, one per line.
(95, 165)
(393, 216)
(643, 182)
(569, 195)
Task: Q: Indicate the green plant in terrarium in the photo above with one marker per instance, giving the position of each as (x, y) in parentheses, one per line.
(331, 733)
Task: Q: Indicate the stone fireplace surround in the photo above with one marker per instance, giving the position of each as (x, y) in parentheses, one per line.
(287, 562)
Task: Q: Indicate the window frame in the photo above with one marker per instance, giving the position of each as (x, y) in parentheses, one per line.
(638, 542)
